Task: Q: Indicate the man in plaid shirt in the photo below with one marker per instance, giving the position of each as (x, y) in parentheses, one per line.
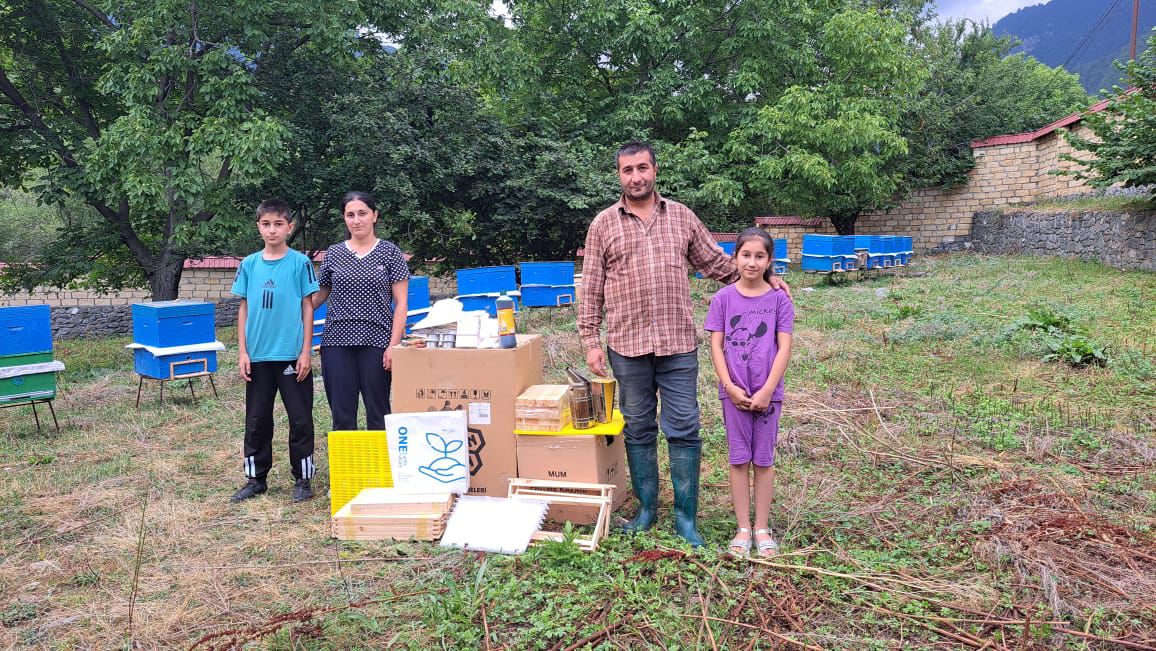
(635, 269)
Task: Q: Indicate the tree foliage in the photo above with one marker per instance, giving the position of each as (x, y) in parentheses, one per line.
(145, 110)
(975, 90)
(454, 183)
(826, 147)
(707, 80)
(485, 140)
(1124, 133)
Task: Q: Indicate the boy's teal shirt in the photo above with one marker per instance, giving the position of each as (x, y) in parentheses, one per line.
(274, 289)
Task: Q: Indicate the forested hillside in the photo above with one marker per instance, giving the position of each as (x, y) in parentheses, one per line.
(1083, 36)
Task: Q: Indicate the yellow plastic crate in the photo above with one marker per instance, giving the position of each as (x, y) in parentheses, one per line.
(357, 460)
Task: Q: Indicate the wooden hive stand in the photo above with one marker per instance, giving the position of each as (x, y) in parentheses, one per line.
(570, 493)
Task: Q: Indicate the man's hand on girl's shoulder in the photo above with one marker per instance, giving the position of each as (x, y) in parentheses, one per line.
(779, 283)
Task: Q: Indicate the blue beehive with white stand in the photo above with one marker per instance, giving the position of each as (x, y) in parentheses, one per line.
(164, 324)
(173, 339)
(779, 266)
(547, 284)
(828, 253)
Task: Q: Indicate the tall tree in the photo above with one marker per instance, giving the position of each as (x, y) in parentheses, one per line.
(826, 147)
(147, 111)
(454, 183)
(701, 79)
(975, 90)
(1123, 145)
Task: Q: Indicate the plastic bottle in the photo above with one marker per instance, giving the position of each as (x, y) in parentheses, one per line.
(506, 338)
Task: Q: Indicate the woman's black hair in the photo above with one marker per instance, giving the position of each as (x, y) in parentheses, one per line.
(756, 233)
(356, 195)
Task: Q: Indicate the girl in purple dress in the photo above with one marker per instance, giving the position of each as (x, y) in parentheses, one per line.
(750, 343)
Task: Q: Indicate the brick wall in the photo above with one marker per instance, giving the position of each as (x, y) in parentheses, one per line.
(794, 237)
(1004, 174)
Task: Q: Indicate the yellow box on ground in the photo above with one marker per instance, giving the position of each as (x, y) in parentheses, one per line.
(357, 460)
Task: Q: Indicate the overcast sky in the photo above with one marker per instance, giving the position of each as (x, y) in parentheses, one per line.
(980, 10)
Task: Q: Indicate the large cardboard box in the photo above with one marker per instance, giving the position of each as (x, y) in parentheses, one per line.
(593, 459)
(483, 383)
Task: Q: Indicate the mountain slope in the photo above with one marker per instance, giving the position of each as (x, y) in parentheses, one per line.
(1055, 34)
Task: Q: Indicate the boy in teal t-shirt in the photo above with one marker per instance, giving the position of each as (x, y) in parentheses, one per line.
(274, 333)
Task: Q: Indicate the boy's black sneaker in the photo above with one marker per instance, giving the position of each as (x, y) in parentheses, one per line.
(302, 490)
(252, 488)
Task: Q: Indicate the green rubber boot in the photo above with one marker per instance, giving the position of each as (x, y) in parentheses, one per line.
(684, 469)
(643, 462)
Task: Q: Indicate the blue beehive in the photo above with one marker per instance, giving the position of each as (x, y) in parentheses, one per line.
(167, 324)
(780, 249)
(486, 280)
(908, 246)
(167, 367)
(727, 247)
(25, 329)
(895, 249)
(823, 262)
(418, 295)
(487, 302)
(547, 295)
(173, 323)
(26, 339)
(546, 273)
(319, 313)
(547, 284)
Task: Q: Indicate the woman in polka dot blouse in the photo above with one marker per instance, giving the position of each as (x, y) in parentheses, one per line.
(366, 281)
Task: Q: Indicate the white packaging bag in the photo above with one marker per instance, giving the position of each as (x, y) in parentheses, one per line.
(429, 451)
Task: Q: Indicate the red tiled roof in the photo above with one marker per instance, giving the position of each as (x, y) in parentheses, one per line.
(1028, 136)
(788, 220)
(231, 262)
(213, 263)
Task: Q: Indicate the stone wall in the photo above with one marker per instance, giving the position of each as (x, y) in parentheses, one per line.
(78, 313)
(1004, 174)
(76, 322)
(211, 285)
(1122, 240)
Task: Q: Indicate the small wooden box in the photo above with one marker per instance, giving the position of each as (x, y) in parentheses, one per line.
(543, 407)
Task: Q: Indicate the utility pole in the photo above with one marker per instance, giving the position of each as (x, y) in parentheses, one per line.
(1135, 26)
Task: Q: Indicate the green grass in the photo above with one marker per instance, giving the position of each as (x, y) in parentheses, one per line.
(930, 466)
(1106, 204)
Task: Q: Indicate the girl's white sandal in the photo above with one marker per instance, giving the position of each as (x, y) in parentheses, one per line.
(769, 547)
(739, 547)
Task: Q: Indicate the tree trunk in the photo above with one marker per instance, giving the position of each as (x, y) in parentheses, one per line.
(845, 223)
(165, 279)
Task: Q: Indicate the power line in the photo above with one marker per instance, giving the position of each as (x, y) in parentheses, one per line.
(1091, 34)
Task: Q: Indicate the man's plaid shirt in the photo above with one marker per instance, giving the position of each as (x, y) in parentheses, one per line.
(638, 273)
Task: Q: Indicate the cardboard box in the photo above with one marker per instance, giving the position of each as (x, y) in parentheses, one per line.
(594, 459)
(483, 383)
